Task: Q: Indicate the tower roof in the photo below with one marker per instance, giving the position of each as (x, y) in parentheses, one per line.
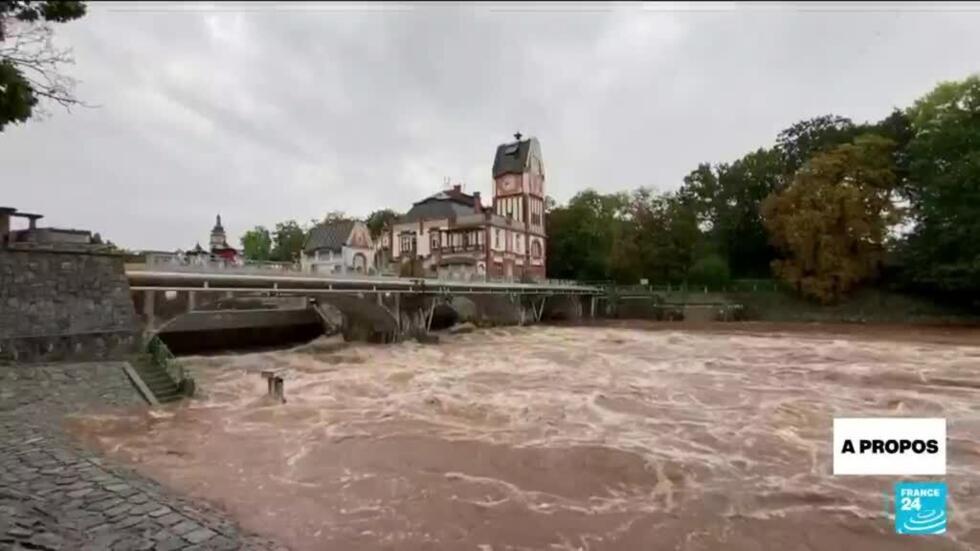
(512, 158)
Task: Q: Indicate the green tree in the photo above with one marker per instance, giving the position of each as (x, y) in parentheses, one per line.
(257, 243)
(656, 239)
(30, 66)
(832, 221)
(377, 220)
(287, 241)
(581, 235)
(710, 270)
(334, 216)
(727, 199)
(943, 250)
(803, 140)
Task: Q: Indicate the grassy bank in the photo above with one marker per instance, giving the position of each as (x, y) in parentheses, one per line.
(867, 305)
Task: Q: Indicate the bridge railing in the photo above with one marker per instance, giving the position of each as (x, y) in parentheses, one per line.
(202, 264)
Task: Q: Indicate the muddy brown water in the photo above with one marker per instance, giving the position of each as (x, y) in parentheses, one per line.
(611, 437)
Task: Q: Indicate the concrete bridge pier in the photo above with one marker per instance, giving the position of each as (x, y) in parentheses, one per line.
(367, 316)
(496, 309)
(566, 308)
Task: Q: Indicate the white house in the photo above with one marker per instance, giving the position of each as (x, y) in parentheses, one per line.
(339, 247)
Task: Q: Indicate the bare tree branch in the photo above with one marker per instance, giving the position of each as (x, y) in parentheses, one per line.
(29, 47)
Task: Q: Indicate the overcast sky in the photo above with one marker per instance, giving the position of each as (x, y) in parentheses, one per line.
(264, 112)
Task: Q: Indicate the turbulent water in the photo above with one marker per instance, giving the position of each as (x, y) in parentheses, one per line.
(560, 438)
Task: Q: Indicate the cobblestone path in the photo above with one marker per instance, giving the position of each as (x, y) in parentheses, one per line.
(55, 495)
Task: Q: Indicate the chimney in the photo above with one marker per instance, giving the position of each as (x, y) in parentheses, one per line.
(477, 206)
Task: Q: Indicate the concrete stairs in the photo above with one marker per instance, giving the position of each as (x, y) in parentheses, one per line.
(158, 381)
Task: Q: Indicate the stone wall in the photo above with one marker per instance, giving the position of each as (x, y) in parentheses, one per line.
(60, 304)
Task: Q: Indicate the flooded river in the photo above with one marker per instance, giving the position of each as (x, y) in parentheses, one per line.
(560, 438)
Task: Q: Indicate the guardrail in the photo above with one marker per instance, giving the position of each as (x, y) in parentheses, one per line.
(734, 286)
(177, 264)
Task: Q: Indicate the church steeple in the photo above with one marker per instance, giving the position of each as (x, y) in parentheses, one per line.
(218, 240)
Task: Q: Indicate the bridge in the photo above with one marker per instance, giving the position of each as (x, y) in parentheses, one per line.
(381, 308)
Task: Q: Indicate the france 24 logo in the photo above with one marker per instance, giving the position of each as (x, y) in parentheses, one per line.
(920, 508)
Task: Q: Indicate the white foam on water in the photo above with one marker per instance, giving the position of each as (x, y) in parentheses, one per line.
(592, 433)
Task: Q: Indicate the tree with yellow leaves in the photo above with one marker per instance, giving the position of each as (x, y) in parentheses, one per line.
(830, 224)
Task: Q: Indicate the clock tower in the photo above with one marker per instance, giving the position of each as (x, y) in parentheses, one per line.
(518, 197)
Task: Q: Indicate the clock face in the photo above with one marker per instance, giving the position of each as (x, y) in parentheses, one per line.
(508, 185)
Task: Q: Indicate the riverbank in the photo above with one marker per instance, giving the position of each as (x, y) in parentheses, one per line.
(58, 495)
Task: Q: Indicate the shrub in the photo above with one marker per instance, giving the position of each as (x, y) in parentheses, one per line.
(711, 271)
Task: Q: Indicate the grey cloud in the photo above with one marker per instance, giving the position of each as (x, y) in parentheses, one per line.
(267, 114)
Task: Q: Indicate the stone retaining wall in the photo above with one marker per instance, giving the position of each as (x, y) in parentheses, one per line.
(64, 304)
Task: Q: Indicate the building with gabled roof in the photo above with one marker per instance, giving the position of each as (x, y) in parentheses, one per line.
(340, 246)
(455, 236)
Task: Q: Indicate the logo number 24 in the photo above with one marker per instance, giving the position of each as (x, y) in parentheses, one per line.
(911, 504)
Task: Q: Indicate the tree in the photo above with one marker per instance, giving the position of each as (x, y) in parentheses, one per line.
(727, 199)
(661, 239)
(832, 221)
(30, 65)
(287, 241)
(581, 235)
(710, 270)
(943, 250)
(257, 243)
(377, 220)
(335, 216)
(800, 142)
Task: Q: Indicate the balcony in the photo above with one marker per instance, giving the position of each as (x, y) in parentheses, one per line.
(462, 249)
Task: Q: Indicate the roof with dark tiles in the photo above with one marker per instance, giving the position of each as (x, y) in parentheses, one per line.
(330, 236)
(511, 158)
(445, 204)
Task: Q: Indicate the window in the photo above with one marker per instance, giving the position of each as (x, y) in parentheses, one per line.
(496, 240)
(536, 249)
(408, 244)
(434, 242)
